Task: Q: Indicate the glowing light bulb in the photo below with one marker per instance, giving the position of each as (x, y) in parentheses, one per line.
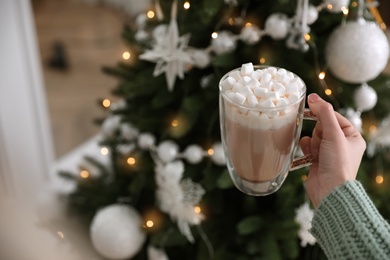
(354, 4)
(372, 128)
(104, 151)
(328, 92)
(248, 24)
(304, 177)
(321, 75)
(197, 209)
(329, 6)
(345, 10)
(106, 102)
(383, 26)
(307, 37)
(149, 223)
(186, 5)
(126, 55)
(150, 14)
(231, 21)
(175, 123)
(214, 35)
(210, 151)
(84, 174)
(379, 179)
(131, 160)
(262, 60)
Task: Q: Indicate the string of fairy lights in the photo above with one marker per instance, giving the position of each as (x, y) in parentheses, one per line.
(152, 219)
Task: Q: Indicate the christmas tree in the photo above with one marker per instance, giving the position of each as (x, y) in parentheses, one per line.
(165, 192)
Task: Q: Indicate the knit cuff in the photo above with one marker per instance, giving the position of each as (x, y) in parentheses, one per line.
(347, 225)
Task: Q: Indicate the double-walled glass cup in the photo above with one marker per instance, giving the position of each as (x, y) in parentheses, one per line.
(260, 143)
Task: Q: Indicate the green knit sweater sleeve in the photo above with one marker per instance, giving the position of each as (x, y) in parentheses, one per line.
(347, 225)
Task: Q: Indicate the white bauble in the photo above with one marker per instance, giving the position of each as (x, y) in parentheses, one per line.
(110, 125)
(218, 157)
(141, 36)
(357, 51)
(312, 14)
(354, 117)
(251, 34)
(125, 149)
(116, 232)
(277, 26)
(146, 140)
(336, 6)
(193, 154)
(224, 42)
(167, 151)
(365, 97)
(200, 58)
(141, 20)
(128, 131)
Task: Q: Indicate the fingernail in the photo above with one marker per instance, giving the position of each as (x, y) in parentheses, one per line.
(313, 98)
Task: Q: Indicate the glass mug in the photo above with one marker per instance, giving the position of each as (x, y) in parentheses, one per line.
(259, 150)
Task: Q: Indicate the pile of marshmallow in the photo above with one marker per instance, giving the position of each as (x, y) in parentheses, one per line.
(265, 89)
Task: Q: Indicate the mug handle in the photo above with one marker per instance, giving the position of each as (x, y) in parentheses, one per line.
(305, 160)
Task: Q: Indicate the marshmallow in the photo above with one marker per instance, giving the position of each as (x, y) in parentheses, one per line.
(243, 110)
(228, 84)
(237, 87)
(257, 74)
(293, 97)
(244, 80)
(246, 91)
(267, 85)
(279, 88)
(272, 71)
(298, 82)
(280, 73)
(286, 78)
(230, 95)
(292, 88)
(253, 83)
(252, 101)
(272, 96)
(246, 69)
(235, 75)
(266, 77)
(282, 102)
(260, 92)
(239, 98)
(267, 104)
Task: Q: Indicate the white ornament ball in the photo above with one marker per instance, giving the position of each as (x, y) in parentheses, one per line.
(357, 51)
(193, 154)
(146, 140)
(224, 42)
(355, 118)
(312, 14)
(251, 34)
(200, 58)
(110, 125)
(141, 20)
(116, 232)
(128, 131)
(141, 36)
(365, 98)
(277, 26)
(336, 6)
(218, 157)
(167, 151)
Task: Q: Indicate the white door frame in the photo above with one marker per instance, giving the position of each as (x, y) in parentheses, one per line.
(26, 148)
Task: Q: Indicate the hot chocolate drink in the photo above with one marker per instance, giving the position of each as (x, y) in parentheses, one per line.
(261, 114)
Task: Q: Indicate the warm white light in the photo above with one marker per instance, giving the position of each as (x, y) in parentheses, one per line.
(186, 5)
(210, 151)
(372, 128)
(304, 177)
(214, 35)
(379, 179)
(345, 10)
(131, 160)
(307, 37)
(149, 223)
(231, 20)
(150, 14)
(321, 75)
(84, 174)
(126, 55)
(106, 102)
(175, 123)
(248, 25)
(262, 60)
(104, 151)
(328, 92)
(197, 209)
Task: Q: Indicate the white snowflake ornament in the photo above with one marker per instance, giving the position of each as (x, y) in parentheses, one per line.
(304, 215)
(277, 26)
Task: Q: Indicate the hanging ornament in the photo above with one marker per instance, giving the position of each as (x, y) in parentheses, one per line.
(380, 138)
(277, 26)
(193, 154)
(167, 151)
(110, 125)
(200, 58)
(304, 216)
(218, 155)
(125, 149)
(146, 141)
(336, 6)
(141, 36)
(224, 42)
(365, 97)
(116, 232)
(296, 39)
(128, 131)
(251, 34)
(156, 254)
(354, 117)
(312, 14)
(357, 51)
